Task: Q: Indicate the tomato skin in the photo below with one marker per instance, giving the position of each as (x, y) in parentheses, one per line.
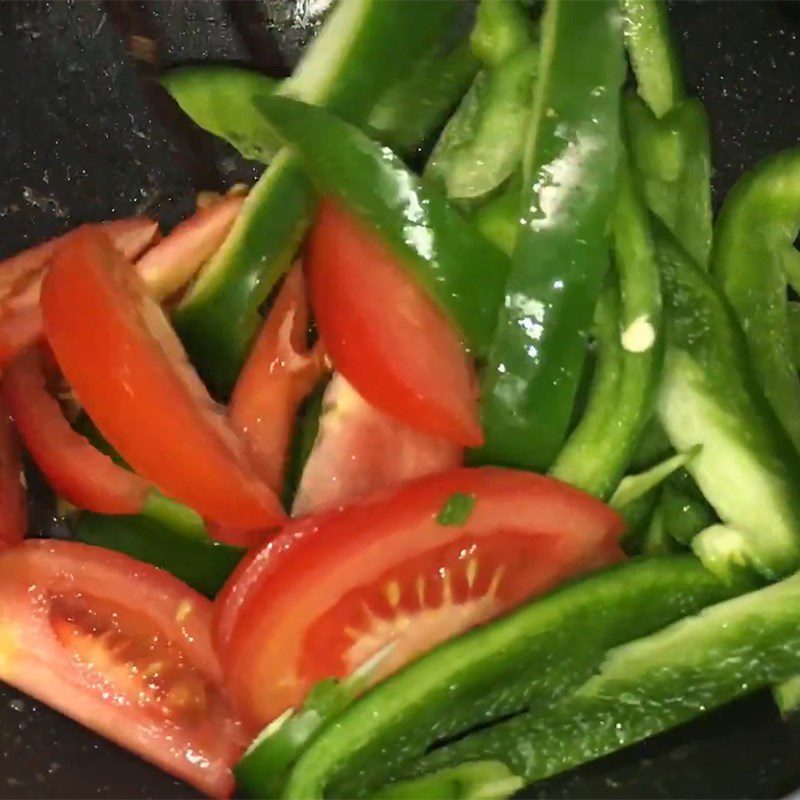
(75, 469)
(278, 375)
(360, 450)
(13, 511)
(385, 335)
(169, 265)
(129, 371)
(21, 279)
(49, 588)
(300, 593)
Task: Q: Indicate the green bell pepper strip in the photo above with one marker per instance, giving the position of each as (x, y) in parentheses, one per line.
(265, 765)
(673, 157)
(633, 487)
(652, 52)
(753, 238)
(561, 253)
(621, 399)
(482, 143)
(416, 105)
(657, 540)
(218, 98)
(498, 218)
(793, 312)
(647, 686)
(787, 696)
(200, 562)
(502, 28)
(747, 468)
(523, 661)
(461, 270)
(684, 515)
(474, 780)
(346, 68)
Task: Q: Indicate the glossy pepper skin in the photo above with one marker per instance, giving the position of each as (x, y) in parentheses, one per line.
(753, 253)
(561, 253)
(621, 399)
(710, 395)
(673, 158)
(463, 272)
(652, 684)
(346, 69)
(528, 659)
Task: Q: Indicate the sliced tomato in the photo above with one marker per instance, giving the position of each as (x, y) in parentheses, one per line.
(279, 373)
(75, 469)
(396, 574)
(385, 335)
(124, 649)
(21, 279)
(174, 261)
(128, 369)
(13, 511)
(359, 450)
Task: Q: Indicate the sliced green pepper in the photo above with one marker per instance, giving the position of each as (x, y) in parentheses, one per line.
(200, 562)
(684, 515)
(474, 780)
(561, 253)
(462, 271)
(414, 107)
(673, 157)
(482, 143)
(669, 133)
(793, 311)
(498, 218)
(747, 468)
(652, 53)
(525, 660)
(502, 28)
(753, 241)
(362, 47)
(620, 404)
(652, 684)
(219, 99)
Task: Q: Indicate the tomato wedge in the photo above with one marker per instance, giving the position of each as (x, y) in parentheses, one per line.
(385, 335)
(169, 265)
(396, 574)
(279, 373)
(75, 469)
(13, 512)
(359, 450)
(21, 279)
(124, 649)
(128, 369)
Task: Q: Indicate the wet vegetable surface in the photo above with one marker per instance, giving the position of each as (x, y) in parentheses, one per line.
(87, 137)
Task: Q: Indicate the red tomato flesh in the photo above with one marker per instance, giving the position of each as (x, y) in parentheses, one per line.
(279, 373)
(74, 468)
(383, 576)
(21, 279)
(385, 335)
(129, 370)
(13, 511)
(124, 649)
(169, 265)
(360, 450)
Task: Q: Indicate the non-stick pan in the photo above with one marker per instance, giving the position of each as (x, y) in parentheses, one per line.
(87, 135)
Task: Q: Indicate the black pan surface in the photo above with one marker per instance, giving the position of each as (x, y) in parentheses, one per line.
(86, 135)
